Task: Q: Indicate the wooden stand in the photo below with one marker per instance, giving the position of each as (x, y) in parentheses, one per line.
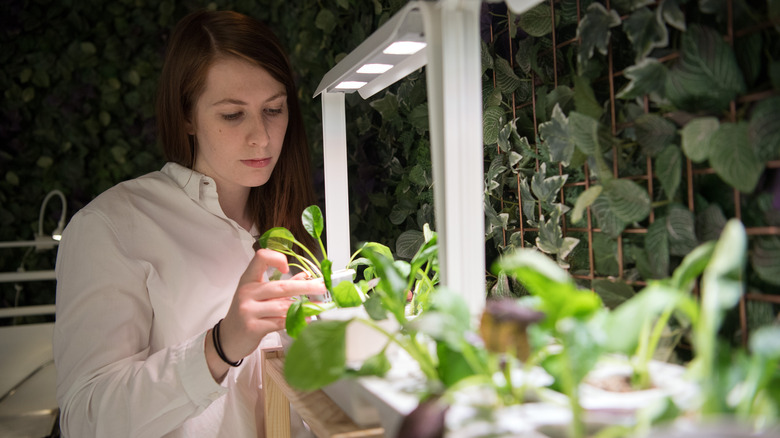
(324, 417)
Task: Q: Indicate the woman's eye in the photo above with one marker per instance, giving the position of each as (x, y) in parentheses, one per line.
(274, 111)
(232, 116)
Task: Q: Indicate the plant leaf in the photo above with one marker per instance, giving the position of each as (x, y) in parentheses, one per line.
(672, 14)
(606, 219)
(627, 200)
(733, 157)
(680, 228)
(668, 169)
(546, 189)
(346, 294)
(322, 343)
(765, 259)
(654, 133)
(313, 221)
(584, 132)
(612, 293)
(764, 129)
(583, 201)
(706, 76)
(326, 20)
(492, 121)
(585, 100)
(536, 22)
(696, 137)
(657, 248)
(594, 32)
(408, 243)
(646, 31)
(646, 76)
(555, 135)
(506, 79)
(277, 238)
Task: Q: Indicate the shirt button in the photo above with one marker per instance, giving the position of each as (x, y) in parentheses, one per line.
(205, 183)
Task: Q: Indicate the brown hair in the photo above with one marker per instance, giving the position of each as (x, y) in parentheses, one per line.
(197, 41)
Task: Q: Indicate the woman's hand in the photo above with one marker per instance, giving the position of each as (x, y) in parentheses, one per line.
(259, 307)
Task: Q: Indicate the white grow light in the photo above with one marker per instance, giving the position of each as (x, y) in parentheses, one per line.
(444, 36)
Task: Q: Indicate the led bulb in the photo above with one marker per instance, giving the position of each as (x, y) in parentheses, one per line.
(404, 48)
(374, 69)
(350, 85)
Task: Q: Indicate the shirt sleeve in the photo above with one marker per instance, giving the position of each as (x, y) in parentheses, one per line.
(108, 383)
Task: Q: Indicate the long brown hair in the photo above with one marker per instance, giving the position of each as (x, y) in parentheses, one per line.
(197, 41)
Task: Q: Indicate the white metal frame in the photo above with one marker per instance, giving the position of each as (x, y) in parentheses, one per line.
(453, 59)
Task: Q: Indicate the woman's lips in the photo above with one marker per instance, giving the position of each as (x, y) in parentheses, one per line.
(257, 163)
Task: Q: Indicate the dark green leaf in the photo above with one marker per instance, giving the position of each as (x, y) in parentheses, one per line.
(408, 243)
(646, 31)
(506, 79)
(612, 293)
(318, 357)
(733, 158)
(492, 121)
(627, 200)
(584, 132)
(710, 222)
(654, 133)
(536, 22)
(326, 21)
(764, 129)
(387, 106)
(696, 137)
(707, 75)
(657, 248)
(680, 229)
(606, 219)
(647, 76)
(765, 259)
(585, 100)
(668, 169)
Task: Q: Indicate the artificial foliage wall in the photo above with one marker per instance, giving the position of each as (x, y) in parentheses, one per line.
(617, 134)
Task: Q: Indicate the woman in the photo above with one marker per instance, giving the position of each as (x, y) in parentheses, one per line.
(161, 300)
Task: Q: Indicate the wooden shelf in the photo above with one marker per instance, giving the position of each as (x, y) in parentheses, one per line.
(324, 417)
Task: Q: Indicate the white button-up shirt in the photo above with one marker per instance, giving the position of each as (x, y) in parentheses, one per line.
(143, 272)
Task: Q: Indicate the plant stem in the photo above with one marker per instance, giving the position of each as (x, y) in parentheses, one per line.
(415, 350)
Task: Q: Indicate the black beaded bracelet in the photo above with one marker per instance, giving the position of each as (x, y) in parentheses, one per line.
(218, 346)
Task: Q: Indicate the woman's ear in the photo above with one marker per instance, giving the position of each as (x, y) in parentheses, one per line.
(190, 127)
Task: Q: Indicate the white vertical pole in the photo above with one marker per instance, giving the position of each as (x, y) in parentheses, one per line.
(334, 150)
(453, 77)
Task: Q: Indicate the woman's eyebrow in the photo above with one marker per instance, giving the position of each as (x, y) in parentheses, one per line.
(233, 101)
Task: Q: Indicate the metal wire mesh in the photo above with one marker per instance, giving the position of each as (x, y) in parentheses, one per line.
(692, 172)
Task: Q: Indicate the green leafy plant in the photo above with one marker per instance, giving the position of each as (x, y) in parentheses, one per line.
(569, 317)
(389, 288)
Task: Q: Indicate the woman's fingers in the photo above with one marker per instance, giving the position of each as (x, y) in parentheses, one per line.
(263, 259)
(285, 289)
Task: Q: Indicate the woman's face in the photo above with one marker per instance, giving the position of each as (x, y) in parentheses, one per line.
(239, 123)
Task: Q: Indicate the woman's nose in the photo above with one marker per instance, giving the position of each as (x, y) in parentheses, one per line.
(258, 134)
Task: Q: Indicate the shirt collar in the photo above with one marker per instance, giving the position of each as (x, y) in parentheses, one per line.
(199, 187)
(191, 181)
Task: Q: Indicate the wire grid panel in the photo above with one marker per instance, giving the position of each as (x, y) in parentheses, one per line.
(696, 176)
